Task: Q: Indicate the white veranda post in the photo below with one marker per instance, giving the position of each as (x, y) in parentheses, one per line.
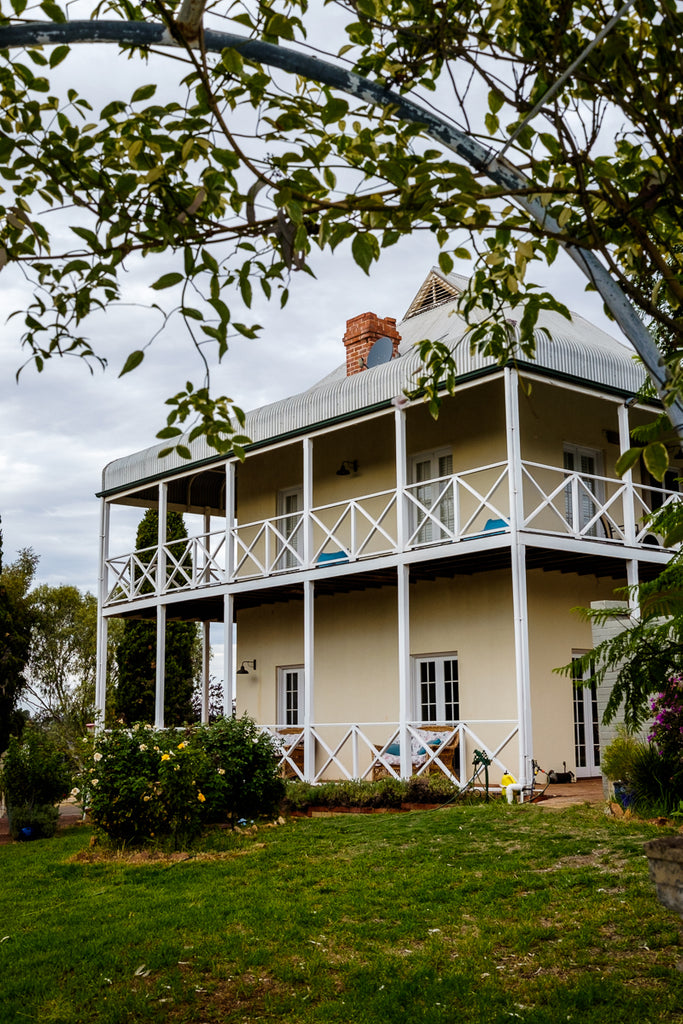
(402, 594)
(518, 569)
(629, 508)
(161, 609)
(102, 625)
(229, 694)
(309, 653)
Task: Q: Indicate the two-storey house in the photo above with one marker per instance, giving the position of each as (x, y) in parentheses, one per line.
(401, 588)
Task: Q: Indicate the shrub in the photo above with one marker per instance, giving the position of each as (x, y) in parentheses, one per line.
(165, 785)
(244, 780)
(656, 782)
(146, 784)
(667, 727)
(34, 772)
(618, 758)
(38, 822)
(35, 776)
(389, 792)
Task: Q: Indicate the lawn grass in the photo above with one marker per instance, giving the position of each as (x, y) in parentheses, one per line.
(488, 913)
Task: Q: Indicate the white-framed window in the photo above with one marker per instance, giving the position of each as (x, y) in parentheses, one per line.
(434, 493)
(436, 688)
(586, 723)
(290, 695)
(586, 493)
(290, 503)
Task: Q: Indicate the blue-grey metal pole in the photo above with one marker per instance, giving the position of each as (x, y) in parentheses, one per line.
(501, 172)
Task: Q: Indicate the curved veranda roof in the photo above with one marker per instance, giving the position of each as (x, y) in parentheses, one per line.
(576, 350)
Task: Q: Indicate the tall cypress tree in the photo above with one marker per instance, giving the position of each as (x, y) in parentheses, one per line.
(136, 653)
(16, 621)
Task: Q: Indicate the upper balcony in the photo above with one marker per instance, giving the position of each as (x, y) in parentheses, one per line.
(470, 508)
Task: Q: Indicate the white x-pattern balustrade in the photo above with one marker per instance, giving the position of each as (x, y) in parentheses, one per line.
(447, 510)
(359, 750)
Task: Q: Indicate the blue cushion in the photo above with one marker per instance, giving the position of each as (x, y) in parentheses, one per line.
(332, 556)
(496, 524)
(394, 749)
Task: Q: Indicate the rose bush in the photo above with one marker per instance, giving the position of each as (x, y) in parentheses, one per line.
(158, 785)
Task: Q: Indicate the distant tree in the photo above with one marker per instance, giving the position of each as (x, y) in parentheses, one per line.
(136, 652)
(61, 669)
(16, 619)
(216, 707)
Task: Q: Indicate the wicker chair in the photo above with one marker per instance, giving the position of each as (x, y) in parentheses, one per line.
(294, 749)
(446, 754)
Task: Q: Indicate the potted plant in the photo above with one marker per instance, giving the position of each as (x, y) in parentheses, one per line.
(617, 764)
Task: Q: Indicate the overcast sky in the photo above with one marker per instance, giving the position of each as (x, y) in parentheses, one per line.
(58, 429)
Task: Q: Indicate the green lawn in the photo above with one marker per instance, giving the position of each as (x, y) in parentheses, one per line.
(488, 913)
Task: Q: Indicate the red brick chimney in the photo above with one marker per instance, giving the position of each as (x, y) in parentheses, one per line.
(361, 334)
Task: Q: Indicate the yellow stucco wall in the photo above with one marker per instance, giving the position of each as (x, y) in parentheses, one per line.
(356, 667)
(555, 630)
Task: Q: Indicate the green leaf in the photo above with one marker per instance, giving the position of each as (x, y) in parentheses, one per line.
(169, 432)
(674, 535)
(53, 11)
(145, 92)
(627, 460)
(656, 459)
(496, 100)
(232, 61)
(446, 262)
(58, 55)
(167, 281)
(133, 360)
(364, 248)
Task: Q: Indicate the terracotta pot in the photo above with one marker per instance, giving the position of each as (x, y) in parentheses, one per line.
(665, 860)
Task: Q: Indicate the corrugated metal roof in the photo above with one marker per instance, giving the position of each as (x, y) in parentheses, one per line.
(577, 349)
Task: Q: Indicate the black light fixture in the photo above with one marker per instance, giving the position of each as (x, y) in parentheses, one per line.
(348, 467)
(243, 670)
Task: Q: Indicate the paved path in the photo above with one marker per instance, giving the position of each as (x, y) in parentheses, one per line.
(580, 792)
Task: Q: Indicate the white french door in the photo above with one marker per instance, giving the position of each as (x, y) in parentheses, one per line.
(434, 494)
(290, 695)
(586, 726)
(290, 505)
(589, 496)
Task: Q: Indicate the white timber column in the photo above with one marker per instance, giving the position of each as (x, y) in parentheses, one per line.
(161, 609)
(229, 682)
(229, 521)
(206, 662)
(519, 588)
(102, 624)
(403, 594)
(632, 572)
(309, 680)
(404, 702)
(206, 626)
(229, 694)
(308, 500)
(401, 478)
(160, 667)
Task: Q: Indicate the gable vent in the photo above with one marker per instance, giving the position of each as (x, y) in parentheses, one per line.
(434, 292)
